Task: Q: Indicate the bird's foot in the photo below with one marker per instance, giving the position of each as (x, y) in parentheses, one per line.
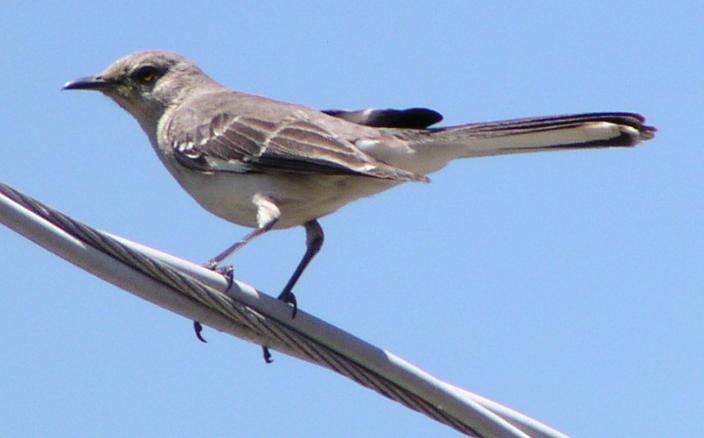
(226, 271)
(267, 354)
(198, 328)
(289, 298)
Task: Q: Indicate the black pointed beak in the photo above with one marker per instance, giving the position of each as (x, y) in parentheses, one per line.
(88, 83)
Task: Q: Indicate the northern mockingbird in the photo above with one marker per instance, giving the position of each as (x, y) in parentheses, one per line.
(270, 165)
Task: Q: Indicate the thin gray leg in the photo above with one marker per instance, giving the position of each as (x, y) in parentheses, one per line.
(314, 241)
(215, 261)
(267, 216)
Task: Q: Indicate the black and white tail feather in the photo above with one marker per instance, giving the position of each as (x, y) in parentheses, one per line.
(575, 131)
(435, 146)
(570, 131)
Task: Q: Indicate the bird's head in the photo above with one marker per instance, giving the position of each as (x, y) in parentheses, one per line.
(146, 83)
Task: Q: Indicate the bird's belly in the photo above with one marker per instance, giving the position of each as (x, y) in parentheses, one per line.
(300, 198)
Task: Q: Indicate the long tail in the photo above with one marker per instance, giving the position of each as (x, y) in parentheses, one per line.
(436, 146)
(577, 131)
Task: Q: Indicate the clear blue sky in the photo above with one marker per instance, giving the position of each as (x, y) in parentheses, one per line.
(568, 285)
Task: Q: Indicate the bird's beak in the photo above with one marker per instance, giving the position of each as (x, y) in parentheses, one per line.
(88, 83)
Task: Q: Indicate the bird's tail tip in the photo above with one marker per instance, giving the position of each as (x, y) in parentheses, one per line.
(575, 131)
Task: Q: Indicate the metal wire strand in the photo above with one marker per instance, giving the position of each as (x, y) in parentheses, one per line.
(277, 332)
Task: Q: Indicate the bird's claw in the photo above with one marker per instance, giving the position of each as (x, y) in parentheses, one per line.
(289, 298)
(267, 355)
(229, 273)
(198, 328)
(226, 271)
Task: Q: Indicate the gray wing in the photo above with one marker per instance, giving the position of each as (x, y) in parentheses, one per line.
(246, 144)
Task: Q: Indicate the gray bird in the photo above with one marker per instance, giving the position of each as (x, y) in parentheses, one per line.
(269, 165)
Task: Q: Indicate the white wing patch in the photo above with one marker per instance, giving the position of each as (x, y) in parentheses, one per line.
(227, 166)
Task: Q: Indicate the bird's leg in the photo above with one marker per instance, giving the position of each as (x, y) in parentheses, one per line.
(227, 271)
(215, 261)
(267, 216)
(314, 241)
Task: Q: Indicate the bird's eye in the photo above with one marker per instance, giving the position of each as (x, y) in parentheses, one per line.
(145, 74)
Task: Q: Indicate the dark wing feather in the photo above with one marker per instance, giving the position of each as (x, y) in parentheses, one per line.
(245, 144)
(412, 118)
